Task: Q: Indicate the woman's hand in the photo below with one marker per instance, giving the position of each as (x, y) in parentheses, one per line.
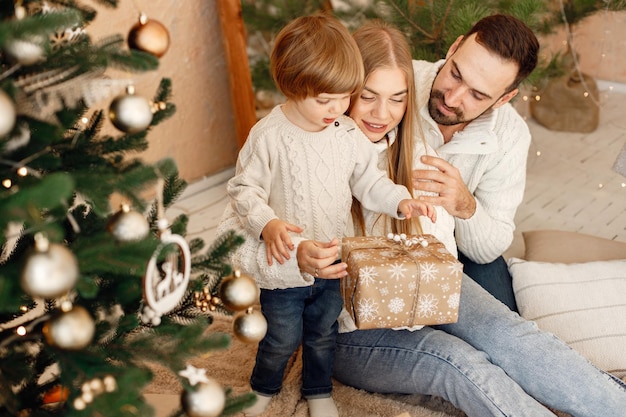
(317, 259)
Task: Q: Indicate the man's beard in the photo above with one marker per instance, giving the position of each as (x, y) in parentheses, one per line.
(436, 97)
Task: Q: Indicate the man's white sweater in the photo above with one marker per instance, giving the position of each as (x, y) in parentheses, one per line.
(490, 153)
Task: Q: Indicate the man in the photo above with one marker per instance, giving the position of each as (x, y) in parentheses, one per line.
(481, 140)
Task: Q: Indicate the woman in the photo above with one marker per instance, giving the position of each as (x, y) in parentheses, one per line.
(491, 362)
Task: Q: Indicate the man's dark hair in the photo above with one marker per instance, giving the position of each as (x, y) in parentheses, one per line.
(510, 38)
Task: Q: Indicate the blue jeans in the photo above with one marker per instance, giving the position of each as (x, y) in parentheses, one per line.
(490, 363)
(494, 277)
(306, 315)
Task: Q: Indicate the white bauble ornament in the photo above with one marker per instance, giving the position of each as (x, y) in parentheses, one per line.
(24, 52)
(70, 330)
(206, 399)
(50, 271)
(238, 291)
(250, 326)
(7, 113)
(130, 113)
(128, 225)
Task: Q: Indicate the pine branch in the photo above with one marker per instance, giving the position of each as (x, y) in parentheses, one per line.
(37, 28)
(214, 260)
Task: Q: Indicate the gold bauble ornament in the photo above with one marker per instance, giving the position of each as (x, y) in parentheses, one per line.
(206, 399)
(50, 271)
(238, 291)
(250, 326)
(70, 330)
(149, 35)
(130, 113)
(7, 113)
(128, 225)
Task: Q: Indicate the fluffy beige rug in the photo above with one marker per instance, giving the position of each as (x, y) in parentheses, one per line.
(232, 368)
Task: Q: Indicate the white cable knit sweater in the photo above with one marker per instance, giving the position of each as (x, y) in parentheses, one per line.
(250, 256)
(308, 179)
(490, 154)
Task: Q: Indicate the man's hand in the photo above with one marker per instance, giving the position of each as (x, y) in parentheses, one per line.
(446, 182)
(277, 240)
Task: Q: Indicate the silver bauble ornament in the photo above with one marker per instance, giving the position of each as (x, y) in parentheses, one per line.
(24, 52)
(238, 291)
(70, 330)
(206, 399)
(250, 326)
(130, 113)
(50, 271)
(128, 225)
(149, 36)
(7, 113)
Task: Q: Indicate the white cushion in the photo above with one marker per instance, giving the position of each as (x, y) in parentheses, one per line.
(584, 304)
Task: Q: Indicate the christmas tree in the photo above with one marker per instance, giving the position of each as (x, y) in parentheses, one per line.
(95, 282)
(431, 26)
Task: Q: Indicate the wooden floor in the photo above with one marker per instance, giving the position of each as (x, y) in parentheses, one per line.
(570, 184)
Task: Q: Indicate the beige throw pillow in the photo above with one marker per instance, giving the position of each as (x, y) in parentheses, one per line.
(570, 247)
(584, 304)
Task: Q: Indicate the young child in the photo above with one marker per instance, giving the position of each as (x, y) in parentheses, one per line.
(297, 173)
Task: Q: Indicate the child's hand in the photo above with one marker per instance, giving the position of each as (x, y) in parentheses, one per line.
(408, 207)
(277, 240)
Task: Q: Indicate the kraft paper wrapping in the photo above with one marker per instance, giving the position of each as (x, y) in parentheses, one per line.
(392, 285)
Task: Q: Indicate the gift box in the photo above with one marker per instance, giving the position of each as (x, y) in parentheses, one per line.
(399, 281)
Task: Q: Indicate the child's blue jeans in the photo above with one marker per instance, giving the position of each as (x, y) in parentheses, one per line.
(306, 315)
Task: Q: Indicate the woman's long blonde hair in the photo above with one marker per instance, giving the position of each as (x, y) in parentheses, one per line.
(384, 46)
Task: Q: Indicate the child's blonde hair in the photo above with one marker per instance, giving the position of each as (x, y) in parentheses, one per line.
(313, 55)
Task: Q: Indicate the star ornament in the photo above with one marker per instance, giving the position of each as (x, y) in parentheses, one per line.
(194, 375)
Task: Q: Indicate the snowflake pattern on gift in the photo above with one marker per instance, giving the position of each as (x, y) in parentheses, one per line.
(429, 271)
(419, 254)
(395, 284)
(379, 240)
(396, 305)
(454, 300)
(397, 271)
(456, 268)
(358, 256)
(367, 275)
(427, 305)
(382, 323)
(367, 309)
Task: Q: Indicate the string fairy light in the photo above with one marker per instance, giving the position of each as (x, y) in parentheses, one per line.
(570, 44)
(605, 51)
